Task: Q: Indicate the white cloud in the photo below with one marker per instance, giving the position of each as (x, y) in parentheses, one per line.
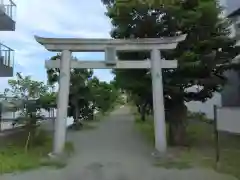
(62, 17)
(57, 18)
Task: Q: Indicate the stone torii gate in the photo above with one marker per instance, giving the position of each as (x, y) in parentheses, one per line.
(110, 46)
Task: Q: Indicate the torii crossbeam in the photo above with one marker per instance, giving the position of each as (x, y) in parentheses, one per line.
(110, 46)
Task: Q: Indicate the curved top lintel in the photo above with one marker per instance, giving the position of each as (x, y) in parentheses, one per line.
(97, 44)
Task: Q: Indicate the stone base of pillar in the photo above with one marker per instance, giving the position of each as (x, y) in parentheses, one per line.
(159, 155)
(56, 160)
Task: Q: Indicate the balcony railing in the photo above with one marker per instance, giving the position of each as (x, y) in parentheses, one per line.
(8, 7)
(6, 56)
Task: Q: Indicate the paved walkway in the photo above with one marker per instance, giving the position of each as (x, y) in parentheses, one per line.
(113, 151)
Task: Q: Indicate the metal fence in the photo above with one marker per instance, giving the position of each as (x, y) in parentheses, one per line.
(9, 8)
(6, 55)
(226, 120)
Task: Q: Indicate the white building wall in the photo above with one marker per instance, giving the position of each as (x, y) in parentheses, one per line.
(228, 119)
(206, 107)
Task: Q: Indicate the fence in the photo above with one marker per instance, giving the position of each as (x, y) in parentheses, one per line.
(227, 120)
(9, 8)
(6, 55)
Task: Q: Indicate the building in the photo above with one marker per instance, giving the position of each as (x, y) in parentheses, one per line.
(7, 23)
(231, 92)
(230, 96)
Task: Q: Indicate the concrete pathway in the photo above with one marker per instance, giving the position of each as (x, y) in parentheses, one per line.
(113, 151)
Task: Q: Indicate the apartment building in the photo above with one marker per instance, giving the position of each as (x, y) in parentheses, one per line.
(231, 93)
(7, 23)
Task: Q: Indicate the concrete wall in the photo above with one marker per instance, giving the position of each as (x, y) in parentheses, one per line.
(228, 119)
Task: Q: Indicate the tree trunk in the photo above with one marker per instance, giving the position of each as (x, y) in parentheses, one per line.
(143, 117)
(139, 108)
(143, 112)
(177, 125)
(76, 114)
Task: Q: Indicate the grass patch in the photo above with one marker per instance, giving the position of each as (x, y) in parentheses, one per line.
(201, 149)
(14, 157)
(146, 128)
(59, 162)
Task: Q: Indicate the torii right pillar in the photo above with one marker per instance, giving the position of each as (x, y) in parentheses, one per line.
(158, 102)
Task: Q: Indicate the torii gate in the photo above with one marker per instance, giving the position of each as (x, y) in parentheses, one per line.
(110, 46)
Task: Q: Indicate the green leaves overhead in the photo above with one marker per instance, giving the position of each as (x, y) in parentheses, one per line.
(87, 94)
(203, 56)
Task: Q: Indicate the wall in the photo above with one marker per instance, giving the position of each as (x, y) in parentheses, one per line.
(230, 96)
(13, 115)
(228, 119)
(206, 107)
(231, 91)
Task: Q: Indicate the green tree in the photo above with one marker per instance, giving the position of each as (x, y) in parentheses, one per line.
(80, 97)
(138, 86)
(104, 94)
(203, 57)
(25, 88)
(48, 101)
(26, 93)
(86, 93)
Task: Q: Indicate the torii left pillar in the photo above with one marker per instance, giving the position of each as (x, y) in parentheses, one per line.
(62, 105)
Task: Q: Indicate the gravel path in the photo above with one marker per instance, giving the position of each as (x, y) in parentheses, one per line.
(113, 151)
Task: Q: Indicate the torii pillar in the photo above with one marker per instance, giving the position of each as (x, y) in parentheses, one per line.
(110, 47)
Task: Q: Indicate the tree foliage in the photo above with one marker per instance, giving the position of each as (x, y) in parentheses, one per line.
(27, 97)
(203, 57)
(25, 88)
(87, 93)
(104, 94)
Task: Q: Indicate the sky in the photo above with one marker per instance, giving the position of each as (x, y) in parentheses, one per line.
(56, 18)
